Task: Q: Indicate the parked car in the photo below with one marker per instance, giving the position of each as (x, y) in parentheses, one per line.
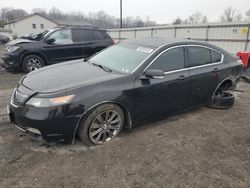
(4, 39)
(126, 84)
(55, 46)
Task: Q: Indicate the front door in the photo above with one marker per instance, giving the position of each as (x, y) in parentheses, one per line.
(157, 97)
(62, 49)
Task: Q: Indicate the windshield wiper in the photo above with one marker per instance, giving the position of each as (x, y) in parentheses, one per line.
(101, 66)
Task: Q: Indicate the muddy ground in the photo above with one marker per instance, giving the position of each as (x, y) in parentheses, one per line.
(202, 148)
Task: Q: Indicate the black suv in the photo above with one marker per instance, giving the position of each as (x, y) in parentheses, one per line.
(53, 46)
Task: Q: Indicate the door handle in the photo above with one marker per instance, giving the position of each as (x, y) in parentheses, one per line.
(182, 77)
(216, 70)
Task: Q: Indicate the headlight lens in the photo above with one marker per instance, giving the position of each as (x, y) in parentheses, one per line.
(12, 48)
(48, 102)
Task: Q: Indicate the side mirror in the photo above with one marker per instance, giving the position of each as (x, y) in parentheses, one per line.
(154, 73)
(51, 41)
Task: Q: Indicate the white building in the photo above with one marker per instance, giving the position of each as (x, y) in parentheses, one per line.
(32, 23)
(5, 32)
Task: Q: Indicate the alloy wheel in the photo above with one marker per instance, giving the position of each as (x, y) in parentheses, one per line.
(105, 126)
(33, 64)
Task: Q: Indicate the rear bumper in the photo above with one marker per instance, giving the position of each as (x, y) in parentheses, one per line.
(44, 123)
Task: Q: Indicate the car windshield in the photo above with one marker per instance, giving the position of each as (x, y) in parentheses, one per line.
(48, 32)
(122, 58)
(39, 36)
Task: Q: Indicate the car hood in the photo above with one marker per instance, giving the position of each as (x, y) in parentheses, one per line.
(19, 41)
(66, 75)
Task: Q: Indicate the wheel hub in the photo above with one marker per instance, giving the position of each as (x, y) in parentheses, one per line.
(105, 126)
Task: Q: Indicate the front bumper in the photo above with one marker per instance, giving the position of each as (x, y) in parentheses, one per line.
(50, 124)
(11, 61)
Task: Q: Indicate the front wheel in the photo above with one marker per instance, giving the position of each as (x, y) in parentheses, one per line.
(32, 62)
(101, 125)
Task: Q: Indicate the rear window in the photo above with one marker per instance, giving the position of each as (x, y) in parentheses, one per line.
(81, 35)
(98, 35)
(198, 56)
(215, 56)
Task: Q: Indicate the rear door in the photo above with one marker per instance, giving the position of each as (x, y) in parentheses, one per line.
(205, 65)
(84, 42)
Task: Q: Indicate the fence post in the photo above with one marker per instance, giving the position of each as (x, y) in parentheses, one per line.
(206, 37)
(175, 30)
(119, 34)
(152, 32)
(247, 37)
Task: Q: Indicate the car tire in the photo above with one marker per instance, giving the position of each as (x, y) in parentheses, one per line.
(101, 125)
(224, 100)
(32, 62)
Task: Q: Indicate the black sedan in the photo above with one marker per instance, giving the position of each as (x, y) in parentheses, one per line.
(127, 84)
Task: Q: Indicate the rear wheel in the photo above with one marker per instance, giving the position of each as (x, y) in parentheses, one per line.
(32, 62)
(222, 99)
(101, 125)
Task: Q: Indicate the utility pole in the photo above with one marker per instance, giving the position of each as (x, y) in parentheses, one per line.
(120, 13)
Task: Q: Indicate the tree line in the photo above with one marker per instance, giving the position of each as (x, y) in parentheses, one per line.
(104, 20)
(99, 19)
(229, 15)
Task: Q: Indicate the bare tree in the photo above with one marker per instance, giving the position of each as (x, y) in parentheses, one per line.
(40, 11)
(231, 15)
(55, 13)
(2, 24)
(9, 14)
(196, 18)
(248, 15)
(177, 21)
(99, 19)
(138, 22)
(204, 19)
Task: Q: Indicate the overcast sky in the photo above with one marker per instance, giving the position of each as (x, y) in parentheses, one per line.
(162, 11)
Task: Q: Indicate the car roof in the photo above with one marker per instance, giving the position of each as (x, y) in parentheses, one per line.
(156, 42)
(81, 27)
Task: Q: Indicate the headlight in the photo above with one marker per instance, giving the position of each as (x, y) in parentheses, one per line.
(12, 48)
(47, 102)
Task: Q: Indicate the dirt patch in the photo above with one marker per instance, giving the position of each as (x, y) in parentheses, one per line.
(202, 148)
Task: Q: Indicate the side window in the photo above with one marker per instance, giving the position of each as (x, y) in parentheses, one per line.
(42, 26)
(170, 60)
(198, 56)
(81, 35)
(62, 36)
(98, 35)
(34, 26)
(215, 56)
